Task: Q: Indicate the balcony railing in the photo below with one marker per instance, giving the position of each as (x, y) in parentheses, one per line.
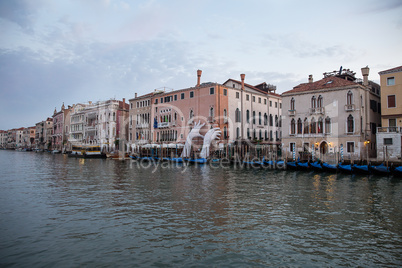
(291, 112)
(143, 125)
(389, 130)
(349, 107)
(318, 110)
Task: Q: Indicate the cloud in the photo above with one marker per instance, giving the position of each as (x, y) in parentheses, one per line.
(21, 12)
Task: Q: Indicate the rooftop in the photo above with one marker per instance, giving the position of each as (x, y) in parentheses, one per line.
(393, 70)
(325, 83)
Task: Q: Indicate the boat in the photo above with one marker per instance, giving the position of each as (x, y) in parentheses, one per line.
(397, 172)
(303, 165)
(177, 159)
(93, 151)
(316, 166)
(345, 168)
(363, 169)
(197, 160)
(56, 152)
(329, 168)
(380, 169)
(291, 165)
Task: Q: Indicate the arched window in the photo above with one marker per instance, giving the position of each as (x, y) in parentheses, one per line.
(260, 135)
(253, 117)
(211, 112)
(265, 119)
(327, 125)
(313, 102)
(350, 124)
(276, 121)
(191, 114)
(237, 132)
(306, 126)
(248, 133)
(248, 116)
(299, 126)
(237, 115)
(349, 98)
(292, 104)
(293, 127)
(254, 134)
(319, 102)
(225, 113)
(266, 134)
(271, 120)
(320, 126)
(313, 126)
(259, 118)
(225, 133)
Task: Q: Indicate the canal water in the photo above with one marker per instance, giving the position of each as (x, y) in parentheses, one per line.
(63, 212)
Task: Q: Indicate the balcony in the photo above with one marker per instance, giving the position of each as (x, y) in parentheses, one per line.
(349, 107)
(291, 112)
(389, 130)
(318, 110)
(163, 125)
(143, 125)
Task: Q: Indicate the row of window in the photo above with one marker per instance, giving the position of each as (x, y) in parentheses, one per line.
(259, 100)
(318, 102)
(311, 127)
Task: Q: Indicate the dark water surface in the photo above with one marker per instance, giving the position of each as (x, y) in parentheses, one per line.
(62, 212)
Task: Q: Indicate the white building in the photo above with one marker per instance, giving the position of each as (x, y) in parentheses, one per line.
(336, 111)
(255, 112)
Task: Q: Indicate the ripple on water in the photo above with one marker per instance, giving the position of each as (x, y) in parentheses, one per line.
(58, 211)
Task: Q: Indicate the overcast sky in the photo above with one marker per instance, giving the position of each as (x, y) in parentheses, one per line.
(76, 51)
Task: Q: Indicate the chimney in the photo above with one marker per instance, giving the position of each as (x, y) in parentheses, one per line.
(124, 101)
(135, 96)
(365, 73)
(310, 78)
(199, 72)
(242, 76)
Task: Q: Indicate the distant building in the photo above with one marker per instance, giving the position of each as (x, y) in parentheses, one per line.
(336, 111)
(101, 123)
(61, 122)
(3, 139)
(140, 119)
(43, 134)
(389, 135)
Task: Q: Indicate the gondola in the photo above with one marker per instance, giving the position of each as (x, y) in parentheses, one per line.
(329, 168)
(345, 168)
(397, 172)
(381, 169)
(362, 169)
(197, 160)
(177, 159)
(292, 165)
(316, 166)
(303, 165)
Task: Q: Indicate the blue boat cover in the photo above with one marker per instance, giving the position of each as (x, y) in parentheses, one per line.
(316, 165)
(328, 166)
(345, 167)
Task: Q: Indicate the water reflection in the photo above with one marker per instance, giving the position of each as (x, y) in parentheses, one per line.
(106, 212)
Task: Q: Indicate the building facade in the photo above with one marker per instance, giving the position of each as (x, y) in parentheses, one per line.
(389, 135)
(102, 123)
(337, 111)
(240, 111)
